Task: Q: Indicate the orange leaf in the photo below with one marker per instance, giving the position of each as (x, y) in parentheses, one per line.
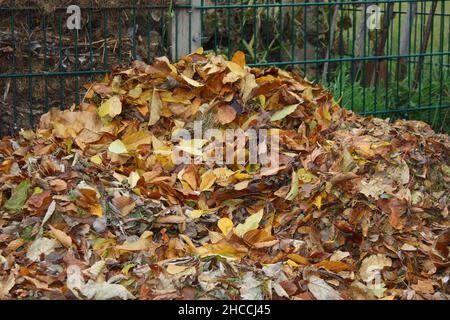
(298, 258)
(239, 58)
(334, 266)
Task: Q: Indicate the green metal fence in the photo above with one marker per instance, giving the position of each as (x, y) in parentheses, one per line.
(391, 59)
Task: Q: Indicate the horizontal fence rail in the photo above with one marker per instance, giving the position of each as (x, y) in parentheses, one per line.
(386, 58)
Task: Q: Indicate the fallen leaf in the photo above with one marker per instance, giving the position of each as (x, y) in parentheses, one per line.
(226, 114)
(294, 187)
(61, 236)
(18, 196)
(118, 147)
(6, 284)
(322, 290)
(155, 108)
(225, 225)
(207, 180)
(334, 266)
(111, 107)
(372, 266)
(283, 113)
(41, 246)
(250, 223)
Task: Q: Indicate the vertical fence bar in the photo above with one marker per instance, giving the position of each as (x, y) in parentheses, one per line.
(30, 68)
(14, 70)
(186, 28)
(60, 67)
(44, 29)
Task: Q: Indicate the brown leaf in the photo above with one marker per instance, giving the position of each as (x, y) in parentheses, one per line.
(58, 185)
(124, 204)
(39, 202)
(226, 114)
(395, 208)
(61, 236)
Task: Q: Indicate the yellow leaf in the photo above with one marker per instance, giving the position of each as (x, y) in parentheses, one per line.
(251, 223)
(155, 108)
(96, 159)
(294, 187)
(262, 101)
(305, 176)
(241, 185)
(326, 113)
(281, 114)
(127, 268)
(195, 214)
(192, 82)
(96, 210)
(225, 225)
(133, 179)
(215, 237)
(115, 86)
(248, 86)
(111, 107)
(293, 264)
(135, 92)
(134, 140)
(242, 176)
(235, 68)
(207, 180)
(318, 200)
(222, 249)
(298, 259)
(61, 236)
(307, 93)
(138, 245)
(118, 147)
(174, 269)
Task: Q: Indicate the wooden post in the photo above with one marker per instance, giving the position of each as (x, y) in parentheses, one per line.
(405, 39)
(186, 28)
(333, 25)
(307, 31)
(424, 46)
(373, 65)
(359, 40)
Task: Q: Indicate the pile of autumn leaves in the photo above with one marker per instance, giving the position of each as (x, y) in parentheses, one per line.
(94, 207)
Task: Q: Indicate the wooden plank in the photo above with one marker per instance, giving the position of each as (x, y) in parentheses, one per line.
(405, 39)
(424, 46)
(186, 29)
(373, 65)
(333, 25)
(359, 41)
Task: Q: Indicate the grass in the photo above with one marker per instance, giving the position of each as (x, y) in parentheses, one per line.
(432, 90)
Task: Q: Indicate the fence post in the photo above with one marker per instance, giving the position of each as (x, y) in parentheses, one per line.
(186, 28)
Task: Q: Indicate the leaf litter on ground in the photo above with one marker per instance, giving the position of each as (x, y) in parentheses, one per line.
(94, 207)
